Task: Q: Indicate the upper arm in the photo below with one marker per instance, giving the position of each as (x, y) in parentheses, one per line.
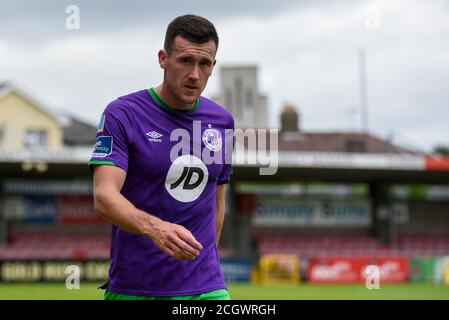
(108, 178)
(220, 195)
(114, 135)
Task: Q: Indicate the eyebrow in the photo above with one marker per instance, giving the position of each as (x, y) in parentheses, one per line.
(184, 56)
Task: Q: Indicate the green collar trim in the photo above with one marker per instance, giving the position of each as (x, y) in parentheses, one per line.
(165, 106)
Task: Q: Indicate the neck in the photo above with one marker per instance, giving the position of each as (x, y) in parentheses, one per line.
(164, 93)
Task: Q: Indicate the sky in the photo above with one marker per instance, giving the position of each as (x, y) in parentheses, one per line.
(306, 53)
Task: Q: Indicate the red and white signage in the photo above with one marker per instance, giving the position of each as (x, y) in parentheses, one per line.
(437, 163)
(77, 209)
(352, 269)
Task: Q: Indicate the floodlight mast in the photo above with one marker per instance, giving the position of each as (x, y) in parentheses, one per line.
(363, 91)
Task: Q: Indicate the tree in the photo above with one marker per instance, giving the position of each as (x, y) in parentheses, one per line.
(441, 150)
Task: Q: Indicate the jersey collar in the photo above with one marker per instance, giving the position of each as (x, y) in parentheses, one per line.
(161, 103)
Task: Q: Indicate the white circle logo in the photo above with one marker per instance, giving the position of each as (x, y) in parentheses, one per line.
(186, 178)
(212, 139)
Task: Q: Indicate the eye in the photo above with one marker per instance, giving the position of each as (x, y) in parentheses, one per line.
(206, 63)
(185, 60)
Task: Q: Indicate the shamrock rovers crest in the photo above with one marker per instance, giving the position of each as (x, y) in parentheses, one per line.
(212, 139)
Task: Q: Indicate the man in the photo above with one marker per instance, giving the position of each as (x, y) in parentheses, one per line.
(165, 203)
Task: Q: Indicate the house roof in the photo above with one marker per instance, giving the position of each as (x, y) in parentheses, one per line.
(6, 87)
(76, 131)
(356, 142)
(338, 142)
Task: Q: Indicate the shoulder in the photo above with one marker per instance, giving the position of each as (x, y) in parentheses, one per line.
(123, 104)
(218, 110)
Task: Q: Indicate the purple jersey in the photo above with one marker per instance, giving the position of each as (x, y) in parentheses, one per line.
(135, 134)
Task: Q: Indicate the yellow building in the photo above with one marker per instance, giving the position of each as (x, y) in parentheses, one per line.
(25, 123)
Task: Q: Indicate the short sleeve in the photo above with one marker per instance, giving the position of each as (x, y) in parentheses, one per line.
(226, 171)
(113, 137)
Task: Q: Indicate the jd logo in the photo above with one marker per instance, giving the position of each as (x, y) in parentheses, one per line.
(186, 178)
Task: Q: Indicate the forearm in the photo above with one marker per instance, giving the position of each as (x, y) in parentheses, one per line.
(219, 211)
(115, 208)
(173, 239)
(219, 223)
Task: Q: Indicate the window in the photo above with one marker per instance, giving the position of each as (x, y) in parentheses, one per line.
(35, 139)
(249, 97)
(238, 91)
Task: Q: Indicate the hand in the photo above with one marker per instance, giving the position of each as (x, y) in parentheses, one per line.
(176, 241)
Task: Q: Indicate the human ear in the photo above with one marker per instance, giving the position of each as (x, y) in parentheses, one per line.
(162, 56)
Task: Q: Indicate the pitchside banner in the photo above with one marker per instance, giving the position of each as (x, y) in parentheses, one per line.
(279, 269)
(352, 269)
(281, 212)
(445, 266)
(422, 269)
(77, 209)
(52, 271)
(236, 270)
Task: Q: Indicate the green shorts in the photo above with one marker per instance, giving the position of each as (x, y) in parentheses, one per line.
(220, 294)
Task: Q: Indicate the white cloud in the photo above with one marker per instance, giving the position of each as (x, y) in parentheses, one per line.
(83, 74)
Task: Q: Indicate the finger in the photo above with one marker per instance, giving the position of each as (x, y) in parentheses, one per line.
(181, 254)
(171, 250)
(184, 247)
(188, 238)
(168, 251)
(180, 247)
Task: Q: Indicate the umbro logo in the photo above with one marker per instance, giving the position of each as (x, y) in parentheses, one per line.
(154, 136)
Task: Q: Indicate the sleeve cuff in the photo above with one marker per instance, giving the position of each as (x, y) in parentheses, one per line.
(93, 163)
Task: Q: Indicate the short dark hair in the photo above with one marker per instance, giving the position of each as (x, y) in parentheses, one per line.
(193, 28)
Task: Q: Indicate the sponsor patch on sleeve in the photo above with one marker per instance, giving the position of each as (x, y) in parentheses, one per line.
(103, 147)
(100, 127)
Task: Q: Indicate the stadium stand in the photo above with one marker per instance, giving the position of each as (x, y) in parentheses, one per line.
(328, 244)
(37, 245)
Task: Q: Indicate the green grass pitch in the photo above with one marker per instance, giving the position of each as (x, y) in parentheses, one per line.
(406, 291)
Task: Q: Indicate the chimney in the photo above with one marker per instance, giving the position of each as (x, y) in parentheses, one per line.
(289, 119)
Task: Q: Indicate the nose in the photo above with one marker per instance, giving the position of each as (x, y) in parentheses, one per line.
(194, 73)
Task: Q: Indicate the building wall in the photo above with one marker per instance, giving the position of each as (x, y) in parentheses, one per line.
(262, 113)
(17, 115)
(240, 95)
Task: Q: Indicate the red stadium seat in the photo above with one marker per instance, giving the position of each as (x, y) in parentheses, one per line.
(356, 245)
